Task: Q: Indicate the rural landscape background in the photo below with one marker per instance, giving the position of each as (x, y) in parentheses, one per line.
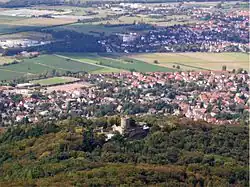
(45, 28)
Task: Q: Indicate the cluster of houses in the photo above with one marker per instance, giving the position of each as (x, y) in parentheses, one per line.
(208, 30)
(217, 97)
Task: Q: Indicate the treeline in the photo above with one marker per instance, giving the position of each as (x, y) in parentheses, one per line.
(74, 153)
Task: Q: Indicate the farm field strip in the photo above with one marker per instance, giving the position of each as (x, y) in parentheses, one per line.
(6, 75)
(92, 28)
(47, 63)
(106, 63)
(41, 22)
(59, 62)
(6, 29)
(86, 61)
(191, 67)
(10, 19)
(51, 67)
(195, 61)
(104, 69)
(27, 66)
(13, 71)
(11, 29)
(122, 63)
(27, 35)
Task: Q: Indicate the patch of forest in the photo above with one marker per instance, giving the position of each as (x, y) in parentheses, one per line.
(74, 153)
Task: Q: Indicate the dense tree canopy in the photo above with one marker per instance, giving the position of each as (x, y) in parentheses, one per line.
(174, 153)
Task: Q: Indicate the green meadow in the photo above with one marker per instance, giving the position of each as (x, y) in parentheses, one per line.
(44, 64)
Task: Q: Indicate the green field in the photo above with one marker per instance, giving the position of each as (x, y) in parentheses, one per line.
(53, 81)
(44, 64)
(8, 19)
(8, 29)
(106, 63)
(6, 75)
(6, 25)
(117, 62)
(197, 61)
(95, 29)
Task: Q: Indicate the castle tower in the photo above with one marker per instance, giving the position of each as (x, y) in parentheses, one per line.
(125, 122)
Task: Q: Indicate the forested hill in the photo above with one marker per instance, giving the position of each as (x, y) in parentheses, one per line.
(23, 3)
(73, 153)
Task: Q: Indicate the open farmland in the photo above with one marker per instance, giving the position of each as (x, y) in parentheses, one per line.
(9, 29)
(54, 80)
(197, 61)
(31, 24)
(93, 29)
(6, 75)
(27, 35)
(9, 19)
(7, 24)
(45, 64)
(156, 21)
(42, 21)
(15, 24)
(116, 61)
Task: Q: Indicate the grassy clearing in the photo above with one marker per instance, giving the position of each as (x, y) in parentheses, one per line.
(197, 61)
(53, 81)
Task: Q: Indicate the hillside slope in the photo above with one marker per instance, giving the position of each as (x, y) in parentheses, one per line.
(72, 153)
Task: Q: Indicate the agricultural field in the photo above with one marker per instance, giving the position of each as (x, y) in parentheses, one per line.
(9, 19)
(6, 75)
(91, 29)
(7, 24)
(22, 19)
(54, 80)
(27, 35)
(117, 62)
(42, 22)
(197, 61)
(44, 64)
(21, 22)
(154, 20)
(9, 29)
(107, 63)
